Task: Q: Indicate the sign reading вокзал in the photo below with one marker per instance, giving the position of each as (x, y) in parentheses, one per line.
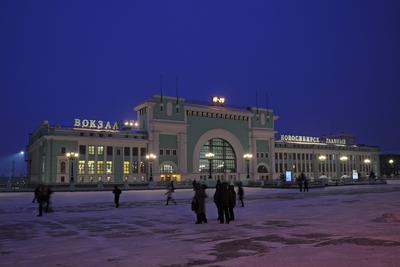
(95, 124)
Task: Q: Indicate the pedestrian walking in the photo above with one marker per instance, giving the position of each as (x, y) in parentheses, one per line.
(232, 202)
(117, 192)
(169, 193)
(241, 193)
(40, 200)
(198, 204)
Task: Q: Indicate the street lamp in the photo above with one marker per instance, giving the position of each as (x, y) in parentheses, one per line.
(210, 157)
(150, 157)
(391, 162)
(72, 156)
(248, 157)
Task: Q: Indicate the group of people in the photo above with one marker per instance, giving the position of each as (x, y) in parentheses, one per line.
(42, 197)
(303, 183)
(224, 199)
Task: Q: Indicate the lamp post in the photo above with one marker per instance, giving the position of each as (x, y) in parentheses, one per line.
(210, 157)
(150, 157)
(248, 157)
(391, 162)
(72, 156)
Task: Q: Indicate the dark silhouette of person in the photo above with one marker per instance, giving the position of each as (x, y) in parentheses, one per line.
(306, 183)
(241, 193)
(232, 202)
(170, 191)
(300, 181)
(41, 199)
(46, 198)
(194, 184)
(199, 204)
(36, 193)
(117, 192)
(217, 196)
(224, 203)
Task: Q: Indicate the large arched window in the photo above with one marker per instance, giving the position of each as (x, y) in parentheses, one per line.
(224, 156)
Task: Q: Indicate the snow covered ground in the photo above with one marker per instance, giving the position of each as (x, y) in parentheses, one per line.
(334, 226)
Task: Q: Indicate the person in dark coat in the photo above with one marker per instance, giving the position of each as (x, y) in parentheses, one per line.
(232, 202)
(241, 193)
(198, 204)
(47, 197)
(194, 184)
(117, 192)
(306, 183)
(36, 193)
(300, 181)
(40, 199)
(224, 203)
(217, 196)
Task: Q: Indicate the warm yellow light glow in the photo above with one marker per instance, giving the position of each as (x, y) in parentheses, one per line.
(247, 156)
(151, 156)
(391, 161)
(136, 124)
(131, 124)
(68, 155)
(367, 161)
(343, 158)
(76, 155)
(218, 99)
(210, 155)
(126, 123)
(322, 157)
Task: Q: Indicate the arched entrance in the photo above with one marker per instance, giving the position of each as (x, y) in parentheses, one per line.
(232, 171)
(223, 164)
(169, 172)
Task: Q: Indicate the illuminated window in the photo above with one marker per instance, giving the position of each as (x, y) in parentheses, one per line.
(91, 150)
(126, 167)
(90, 166)
(109, 166)
(100, 150)
(167, 168)
(81, 167)
(100, 167)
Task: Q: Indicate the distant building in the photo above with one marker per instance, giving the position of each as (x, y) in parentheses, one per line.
(177, 139)
(390, 164)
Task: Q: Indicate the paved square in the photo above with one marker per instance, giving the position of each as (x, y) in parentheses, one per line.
(334, 226)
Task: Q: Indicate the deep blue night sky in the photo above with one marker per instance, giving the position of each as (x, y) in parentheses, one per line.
(328, 66)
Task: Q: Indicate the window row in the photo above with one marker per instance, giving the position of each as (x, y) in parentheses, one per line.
(168, 152)
(99, 150)
(262, 154)
(216, 115)
(101, 167)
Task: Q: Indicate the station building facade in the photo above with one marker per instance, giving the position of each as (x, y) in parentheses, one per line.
(175, 139)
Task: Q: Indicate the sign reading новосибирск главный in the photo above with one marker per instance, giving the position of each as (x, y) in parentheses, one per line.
(311, 139)
(95, 124)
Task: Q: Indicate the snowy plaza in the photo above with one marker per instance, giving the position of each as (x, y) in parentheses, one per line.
(332, 226)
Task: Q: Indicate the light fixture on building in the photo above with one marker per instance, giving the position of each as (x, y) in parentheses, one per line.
(210, 157)
(248, 157)
(150, 157)
(322, 157)
(343, 158)
(367, 161)
(218, 100)
(391, 161)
